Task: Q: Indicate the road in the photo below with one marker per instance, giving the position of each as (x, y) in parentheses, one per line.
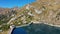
(12, 19)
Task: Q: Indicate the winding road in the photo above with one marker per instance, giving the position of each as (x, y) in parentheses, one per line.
(12, 19)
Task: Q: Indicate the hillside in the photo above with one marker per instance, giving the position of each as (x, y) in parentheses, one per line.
(50, 11)
(46, 11)
(41, 11)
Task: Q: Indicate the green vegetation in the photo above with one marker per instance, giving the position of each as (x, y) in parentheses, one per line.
(4, 19)
(1, 22)
(27, 18)
(5, 27)
(1, 19)
(17, 22)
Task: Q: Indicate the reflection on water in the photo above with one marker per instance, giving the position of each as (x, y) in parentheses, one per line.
(41, 29)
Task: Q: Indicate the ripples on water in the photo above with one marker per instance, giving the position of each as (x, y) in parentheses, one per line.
(41, 29)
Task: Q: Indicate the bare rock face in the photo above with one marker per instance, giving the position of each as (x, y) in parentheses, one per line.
(50, 11)
(47, 11)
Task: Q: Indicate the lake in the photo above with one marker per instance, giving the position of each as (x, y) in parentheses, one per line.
(37, 29)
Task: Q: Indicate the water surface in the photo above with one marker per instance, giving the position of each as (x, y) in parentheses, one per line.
(38, 29)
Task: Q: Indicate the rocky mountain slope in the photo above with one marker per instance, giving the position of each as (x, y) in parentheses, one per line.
(41, 11)
(46, 11)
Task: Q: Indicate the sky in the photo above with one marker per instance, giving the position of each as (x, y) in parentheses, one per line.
(13, 3)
